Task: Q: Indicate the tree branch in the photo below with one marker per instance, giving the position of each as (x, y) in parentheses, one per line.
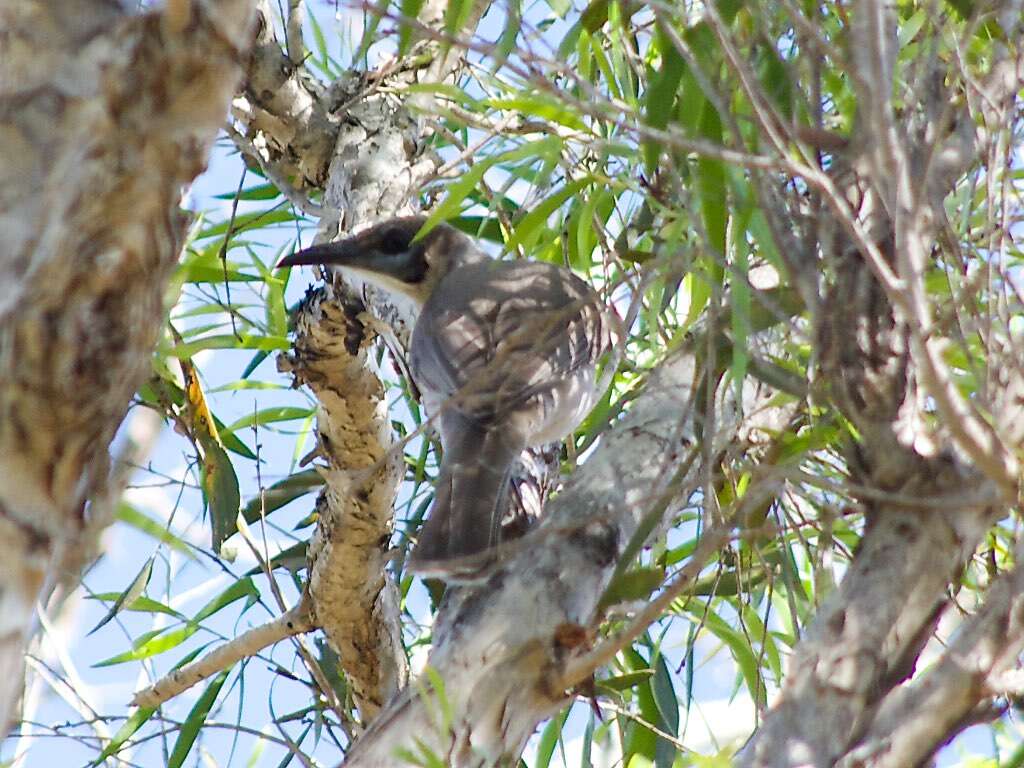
(293, 622)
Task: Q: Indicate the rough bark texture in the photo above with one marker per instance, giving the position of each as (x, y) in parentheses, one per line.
(353, 599)
(103, 118)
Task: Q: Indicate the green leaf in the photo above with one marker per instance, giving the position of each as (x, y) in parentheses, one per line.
(560, 7)
(133, 591)
(254, 363)
(260, 192)
(140, 521)
(587, 743)
(592, 19)
(282, 492)
(509, 35)
(770, 650)
(595, 15)
(228, 341)
(195, 721)
(456, 15)
(244, 587)
(529, 229)
(242, 385)
(626, 681)
(246, 221)
(744, 656)
(480, 227)
(621, 44)
(210, 309)
(206, 273)
(727, 584)
(541, 107)
(598, 207)
(636, 584)
(661, 94)
(275, 311)
(152, 644)
(141, 605)
(448, 92)
(740, 300)
(457, 192)
(776, 81)
(641, 740)
(270, 416)
(549, 739)
(410, 11)
(908, 29)
(234, 443)
(431, 689)
(371, 21)
(425, 757)
(330, 663)
(711, 189)
(668, 711)
(604, 66)
(136, 720)
(319, 41)
(220, 489)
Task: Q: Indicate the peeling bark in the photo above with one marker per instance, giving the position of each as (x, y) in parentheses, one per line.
(353, 599)
(103, 118)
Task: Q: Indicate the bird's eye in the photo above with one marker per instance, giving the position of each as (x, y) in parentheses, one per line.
(394, 242)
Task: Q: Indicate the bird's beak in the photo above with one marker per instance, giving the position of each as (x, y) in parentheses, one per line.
(342, 254)
(391, 270)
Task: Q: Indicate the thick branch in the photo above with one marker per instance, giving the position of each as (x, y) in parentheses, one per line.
(866, 637)
(917, 719)
(352, 598)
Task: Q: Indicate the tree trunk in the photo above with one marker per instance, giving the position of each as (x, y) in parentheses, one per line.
(103, 118)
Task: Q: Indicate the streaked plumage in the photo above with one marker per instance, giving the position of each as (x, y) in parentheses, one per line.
(504, 354)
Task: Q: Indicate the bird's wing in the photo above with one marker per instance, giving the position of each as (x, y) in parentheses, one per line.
(494, 335)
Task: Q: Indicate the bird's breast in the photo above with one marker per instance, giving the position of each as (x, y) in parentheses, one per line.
(511, 341)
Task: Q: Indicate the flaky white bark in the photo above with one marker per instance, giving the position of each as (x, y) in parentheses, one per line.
(103, 118)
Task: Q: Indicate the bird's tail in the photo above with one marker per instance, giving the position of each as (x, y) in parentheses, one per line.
(458, 539)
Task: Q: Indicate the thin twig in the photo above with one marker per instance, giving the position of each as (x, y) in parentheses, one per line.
(293, 622)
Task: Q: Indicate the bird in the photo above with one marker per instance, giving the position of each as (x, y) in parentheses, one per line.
(504, 354)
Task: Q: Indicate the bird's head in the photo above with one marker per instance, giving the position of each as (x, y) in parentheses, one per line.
(388, 255)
